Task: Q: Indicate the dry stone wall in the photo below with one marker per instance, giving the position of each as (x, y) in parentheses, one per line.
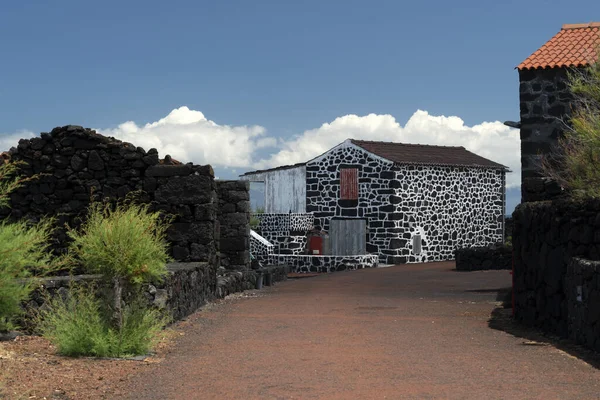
(546, 237)
(484, 258)
(234, 224)
(188, 193)
(187, 287)
(76, 165)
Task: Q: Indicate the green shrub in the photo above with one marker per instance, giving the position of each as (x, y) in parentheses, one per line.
(9, 181)
(78, 324)
(126, 242)
(23, 249)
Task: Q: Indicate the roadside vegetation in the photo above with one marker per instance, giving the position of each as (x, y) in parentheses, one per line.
(80, 324)
(125, 243)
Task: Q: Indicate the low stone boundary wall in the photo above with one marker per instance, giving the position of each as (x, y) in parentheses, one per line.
(238, 281)
(186, 288)
(325, 263)
(551, 241)
(483, 258)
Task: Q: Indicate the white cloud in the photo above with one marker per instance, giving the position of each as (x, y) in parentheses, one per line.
(187, 135)
(12, 139)
(492, 140)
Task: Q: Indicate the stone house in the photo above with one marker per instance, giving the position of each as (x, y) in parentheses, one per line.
(418, 202)
(545, 100)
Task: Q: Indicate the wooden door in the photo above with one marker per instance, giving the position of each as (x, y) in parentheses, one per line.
(348, 237)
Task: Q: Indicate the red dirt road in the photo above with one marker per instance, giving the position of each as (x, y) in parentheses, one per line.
(416, 331)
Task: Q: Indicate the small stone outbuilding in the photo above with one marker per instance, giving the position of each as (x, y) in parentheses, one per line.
(418, 202)
(545, 100)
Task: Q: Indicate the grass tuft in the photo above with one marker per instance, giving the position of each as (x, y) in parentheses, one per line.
(77, 325)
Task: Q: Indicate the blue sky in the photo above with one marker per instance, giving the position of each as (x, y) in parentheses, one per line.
(269, 74)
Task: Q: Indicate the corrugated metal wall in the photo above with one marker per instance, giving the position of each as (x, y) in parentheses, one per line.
(348, 237)
(285, 189)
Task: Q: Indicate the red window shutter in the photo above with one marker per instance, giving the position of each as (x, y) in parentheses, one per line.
(349, 184)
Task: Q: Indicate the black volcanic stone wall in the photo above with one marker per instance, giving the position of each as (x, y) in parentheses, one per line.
(234, 221)
(187, 192)
(187, 287)
(238, 281)
(545, 103)
(76, 165)
(449, 207)
(484, 258)
(583, 302)
(546, 236)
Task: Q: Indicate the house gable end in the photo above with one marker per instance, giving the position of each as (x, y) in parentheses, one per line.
(344, 145)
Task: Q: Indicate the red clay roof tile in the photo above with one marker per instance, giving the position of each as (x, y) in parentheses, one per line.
(575, 45)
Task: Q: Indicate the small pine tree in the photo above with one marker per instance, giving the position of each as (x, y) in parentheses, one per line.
(125, 243)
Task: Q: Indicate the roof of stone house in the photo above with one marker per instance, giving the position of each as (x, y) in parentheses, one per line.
(418, 154)
(576, 45)
(168, 160)
(401, 153)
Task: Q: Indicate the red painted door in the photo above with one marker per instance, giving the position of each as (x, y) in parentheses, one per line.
(349, 184)
(316, 245)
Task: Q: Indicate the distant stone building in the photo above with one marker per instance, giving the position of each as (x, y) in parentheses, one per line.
(418, 203)
(545, 100)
